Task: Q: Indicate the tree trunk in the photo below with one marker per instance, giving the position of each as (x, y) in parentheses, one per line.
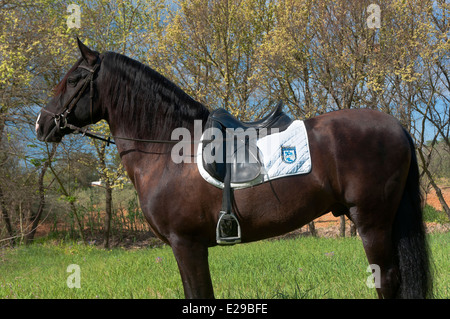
(108, 205)
(3, 205)
(342, 226)
(6, 219)
(71, 202)
(37, 216)
(425, 164)
(312, 229)
(352, 229)
(439, 196)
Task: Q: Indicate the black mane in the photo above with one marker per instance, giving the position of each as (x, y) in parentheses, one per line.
(146, 103)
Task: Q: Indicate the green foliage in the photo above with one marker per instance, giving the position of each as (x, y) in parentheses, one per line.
(127, 219)
(432, 215)
(209, 48)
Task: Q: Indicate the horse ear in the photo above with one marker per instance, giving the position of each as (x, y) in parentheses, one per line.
(88, 55)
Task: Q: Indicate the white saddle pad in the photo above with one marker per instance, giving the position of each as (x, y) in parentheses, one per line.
(282, 154)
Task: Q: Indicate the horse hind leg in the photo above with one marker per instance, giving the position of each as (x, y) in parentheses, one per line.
(380, 251)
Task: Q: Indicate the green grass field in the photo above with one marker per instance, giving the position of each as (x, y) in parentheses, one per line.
(296, 268)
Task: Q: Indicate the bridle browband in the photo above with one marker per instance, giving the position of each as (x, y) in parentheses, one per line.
(61, 117)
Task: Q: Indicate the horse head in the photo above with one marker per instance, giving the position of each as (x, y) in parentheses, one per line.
(76, 99)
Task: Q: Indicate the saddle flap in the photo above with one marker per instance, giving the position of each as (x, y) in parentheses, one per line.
(246, 162)
(241, 173)
(244, 156)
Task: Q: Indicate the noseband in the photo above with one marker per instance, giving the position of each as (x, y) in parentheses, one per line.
(61, 117)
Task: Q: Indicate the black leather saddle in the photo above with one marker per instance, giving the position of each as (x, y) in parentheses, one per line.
(235, 159)
(241, 152)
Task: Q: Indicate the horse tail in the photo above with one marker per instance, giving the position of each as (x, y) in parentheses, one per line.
(410, 238)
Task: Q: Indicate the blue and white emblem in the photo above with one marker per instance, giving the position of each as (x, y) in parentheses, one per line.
(288, 154)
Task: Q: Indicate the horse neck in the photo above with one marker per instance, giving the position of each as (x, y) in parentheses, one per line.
(148, 108)
(155, 131)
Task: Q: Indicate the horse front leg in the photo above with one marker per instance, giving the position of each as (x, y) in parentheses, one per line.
(192, 260)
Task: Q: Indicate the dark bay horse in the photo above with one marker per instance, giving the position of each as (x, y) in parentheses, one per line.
(363, 166)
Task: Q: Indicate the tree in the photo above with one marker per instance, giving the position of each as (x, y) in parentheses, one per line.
(37, 48)
(322, 56)
(111, 172)
(36, 215)
(30, 36)
(209, 49)
(133, 28)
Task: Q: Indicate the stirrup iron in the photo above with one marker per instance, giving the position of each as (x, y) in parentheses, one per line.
(228, 230)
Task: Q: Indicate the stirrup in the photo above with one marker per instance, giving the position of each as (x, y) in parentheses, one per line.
(228, 230)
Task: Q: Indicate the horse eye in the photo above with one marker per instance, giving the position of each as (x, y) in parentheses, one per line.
(74, 78)
(72, 81)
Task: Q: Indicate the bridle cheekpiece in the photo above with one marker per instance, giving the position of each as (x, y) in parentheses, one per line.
(61, 117)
